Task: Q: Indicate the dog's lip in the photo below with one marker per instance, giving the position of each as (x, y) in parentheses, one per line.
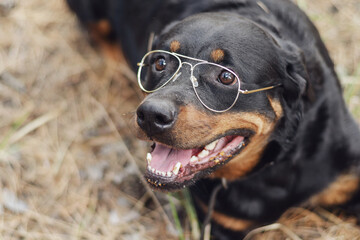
(170, 168)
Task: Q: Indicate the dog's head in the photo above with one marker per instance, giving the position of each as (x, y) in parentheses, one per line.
(199, 116)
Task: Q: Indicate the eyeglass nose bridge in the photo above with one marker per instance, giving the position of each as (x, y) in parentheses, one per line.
(193, 79)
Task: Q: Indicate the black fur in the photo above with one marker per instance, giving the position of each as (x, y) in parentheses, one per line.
(314, 142)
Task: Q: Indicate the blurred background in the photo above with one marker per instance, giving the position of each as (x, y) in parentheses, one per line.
(70, 167)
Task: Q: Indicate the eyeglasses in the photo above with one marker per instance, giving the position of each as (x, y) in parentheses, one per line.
(217, 87)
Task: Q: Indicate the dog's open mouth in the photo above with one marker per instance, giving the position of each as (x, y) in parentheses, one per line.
(170, 168)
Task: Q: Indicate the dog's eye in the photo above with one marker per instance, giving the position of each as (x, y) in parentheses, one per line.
(160, 64)
(226, 77)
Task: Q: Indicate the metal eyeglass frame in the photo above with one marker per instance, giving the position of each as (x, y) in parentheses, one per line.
(193, 78)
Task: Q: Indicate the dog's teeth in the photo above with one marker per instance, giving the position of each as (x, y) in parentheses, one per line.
(153, 170)
(168, 174)
(148, 157)
(203, 153)
(149, 167)
(211, 146)
(157, 172)
(163, 174)
(176, 168)
(194, 159)
(241, 144)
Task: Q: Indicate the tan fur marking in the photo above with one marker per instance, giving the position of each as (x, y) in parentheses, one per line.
(249, 157)
(338, 192)
(217, 55)
(174, 46)
(102, 27)
(98, 32)
(228, 222)
(276, 106)
(193, 127)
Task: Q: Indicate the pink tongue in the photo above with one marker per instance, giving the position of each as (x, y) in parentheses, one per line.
(164, 158)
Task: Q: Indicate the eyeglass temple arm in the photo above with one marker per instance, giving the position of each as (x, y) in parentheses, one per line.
(259, 90)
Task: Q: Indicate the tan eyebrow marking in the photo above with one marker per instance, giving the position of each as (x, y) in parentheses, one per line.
(217, 55)
(174, 46)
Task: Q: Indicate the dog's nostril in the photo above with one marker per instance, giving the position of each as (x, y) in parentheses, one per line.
(140, 116)
(163, 119)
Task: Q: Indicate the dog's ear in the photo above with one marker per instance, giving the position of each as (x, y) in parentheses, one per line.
(295, 81)
(294, 84)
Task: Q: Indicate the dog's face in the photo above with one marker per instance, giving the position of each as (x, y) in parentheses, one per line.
(190, 141)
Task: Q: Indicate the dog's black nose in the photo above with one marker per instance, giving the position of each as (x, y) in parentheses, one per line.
(155, 116)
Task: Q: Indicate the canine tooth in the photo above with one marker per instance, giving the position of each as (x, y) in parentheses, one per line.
(168, 174)
(148, 157)
(176, 168)
(203, 153)
(211, 146)
(194, 159)
(149, 167)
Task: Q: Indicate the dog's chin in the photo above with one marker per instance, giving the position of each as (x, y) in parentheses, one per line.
(170, 169)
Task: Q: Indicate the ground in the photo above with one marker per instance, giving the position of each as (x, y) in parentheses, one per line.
(70, 167)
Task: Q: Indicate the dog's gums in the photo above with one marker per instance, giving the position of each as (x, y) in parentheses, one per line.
(168, 167)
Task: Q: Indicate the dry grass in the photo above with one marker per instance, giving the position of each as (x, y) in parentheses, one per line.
(70, 166)
(64, 144)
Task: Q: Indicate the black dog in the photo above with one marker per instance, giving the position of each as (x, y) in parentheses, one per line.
(244, 91)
